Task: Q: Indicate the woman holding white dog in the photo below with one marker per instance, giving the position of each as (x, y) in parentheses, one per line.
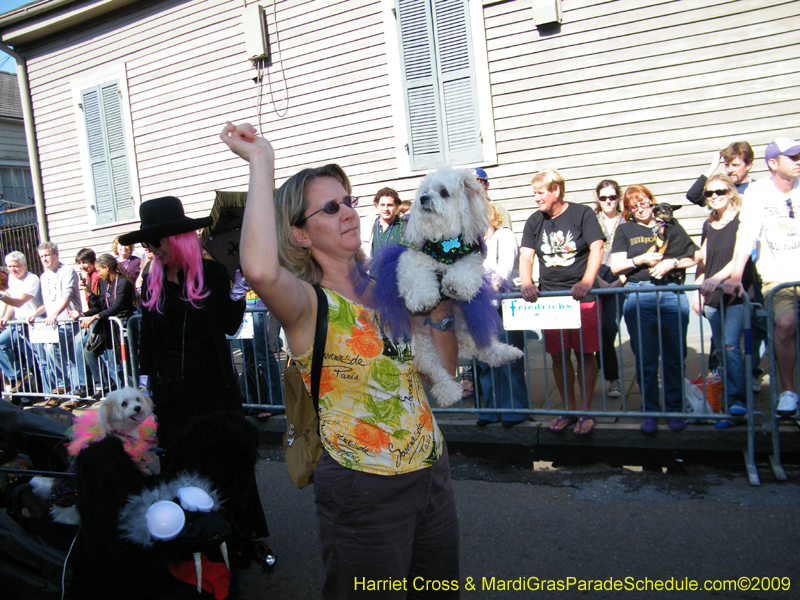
(384, 497)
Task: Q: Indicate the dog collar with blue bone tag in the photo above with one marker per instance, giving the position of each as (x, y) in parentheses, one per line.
(449, 251)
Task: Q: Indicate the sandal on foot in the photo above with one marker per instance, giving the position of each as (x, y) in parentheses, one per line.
(561, 423)
(579, 427)
(52, 402)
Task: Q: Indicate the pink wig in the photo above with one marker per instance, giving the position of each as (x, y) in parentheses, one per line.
(185, 250)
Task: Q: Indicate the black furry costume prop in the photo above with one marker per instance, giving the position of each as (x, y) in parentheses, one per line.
(223, 447)
(103, 565)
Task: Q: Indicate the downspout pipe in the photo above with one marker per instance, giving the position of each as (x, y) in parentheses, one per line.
(30, 138)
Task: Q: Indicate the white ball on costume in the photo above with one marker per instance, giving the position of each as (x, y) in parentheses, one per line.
(195, 499)
(165, 520)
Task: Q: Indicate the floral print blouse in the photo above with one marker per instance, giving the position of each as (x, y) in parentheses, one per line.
(374, 414)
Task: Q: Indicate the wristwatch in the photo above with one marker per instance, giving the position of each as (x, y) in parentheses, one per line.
(674, 263)
(445, 324)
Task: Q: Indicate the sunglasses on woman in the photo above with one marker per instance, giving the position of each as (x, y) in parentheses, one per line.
(612, 197)
(712, 193)
(330, 208)
(151, 244)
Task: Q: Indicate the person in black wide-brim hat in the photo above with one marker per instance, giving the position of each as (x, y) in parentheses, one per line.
(185, 361)
(162, 217)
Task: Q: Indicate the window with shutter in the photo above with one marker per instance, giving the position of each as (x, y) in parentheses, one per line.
(439, 83)
(105, 137)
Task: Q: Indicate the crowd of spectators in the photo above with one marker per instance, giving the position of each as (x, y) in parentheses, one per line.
(624, 241)
(72, 353)
(629, 242)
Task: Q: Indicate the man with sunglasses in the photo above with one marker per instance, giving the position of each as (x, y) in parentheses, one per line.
(738, 159)
(770, 221)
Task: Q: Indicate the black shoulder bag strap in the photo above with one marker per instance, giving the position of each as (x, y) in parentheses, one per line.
(319, 346)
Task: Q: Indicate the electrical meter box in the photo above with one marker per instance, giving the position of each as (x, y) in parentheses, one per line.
(255, 32)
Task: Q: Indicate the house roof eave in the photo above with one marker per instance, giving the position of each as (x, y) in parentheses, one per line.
(37, 20)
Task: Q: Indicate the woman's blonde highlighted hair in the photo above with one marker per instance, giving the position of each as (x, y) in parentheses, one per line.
(290, 206)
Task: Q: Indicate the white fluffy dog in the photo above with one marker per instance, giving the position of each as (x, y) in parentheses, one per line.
(444, 259)
(125, 413)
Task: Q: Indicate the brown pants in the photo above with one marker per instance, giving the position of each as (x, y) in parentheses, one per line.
(387, 536)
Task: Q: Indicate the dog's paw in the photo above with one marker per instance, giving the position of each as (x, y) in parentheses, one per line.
(462, 282)
(499, 354)
(447, 392)
(453, 289)
(422, 300)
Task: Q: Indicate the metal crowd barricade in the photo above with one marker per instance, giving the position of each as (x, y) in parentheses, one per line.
(51, 362)
(774, 377)
(255, 356)
(626, 409)
(255, 352)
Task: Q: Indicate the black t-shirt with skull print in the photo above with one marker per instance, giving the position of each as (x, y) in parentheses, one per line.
(562, 245)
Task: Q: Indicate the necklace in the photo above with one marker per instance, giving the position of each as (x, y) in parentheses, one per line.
(727, 217)
(52, 285)
(378, 231)
(116, 281)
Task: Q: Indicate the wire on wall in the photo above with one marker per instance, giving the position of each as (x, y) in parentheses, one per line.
(285, 109)
(280, 108)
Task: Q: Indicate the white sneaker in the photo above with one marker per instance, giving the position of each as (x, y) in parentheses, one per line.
(787, 404)
(615, 389)
(756, 384)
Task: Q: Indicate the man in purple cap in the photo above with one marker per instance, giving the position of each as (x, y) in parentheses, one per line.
(770, 220)
(483, 179)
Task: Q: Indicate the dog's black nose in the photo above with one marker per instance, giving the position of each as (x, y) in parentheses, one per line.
(137, 409)
(424, 199)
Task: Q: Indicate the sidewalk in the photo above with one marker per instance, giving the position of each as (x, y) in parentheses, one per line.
(611, 431)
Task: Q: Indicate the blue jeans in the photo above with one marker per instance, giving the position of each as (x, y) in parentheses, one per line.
(643, 313)
(729, 333)
(111, 361)
(505, 387)
(259, 357)
(15, 352)
(57, 362)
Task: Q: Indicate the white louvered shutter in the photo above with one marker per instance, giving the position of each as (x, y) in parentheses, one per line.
(438, 83)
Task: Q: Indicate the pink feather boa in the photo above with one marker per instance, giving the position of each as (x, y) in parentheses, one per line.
(86, 429)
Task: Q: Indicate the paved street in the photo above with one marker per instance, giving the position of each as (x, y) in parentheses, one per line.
(600, 521)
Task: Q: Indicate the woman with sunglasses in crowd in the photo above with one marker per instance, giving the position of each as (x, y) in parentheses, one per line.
(653, 255)
(725, 313)
(382, 485)
(607, 199)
